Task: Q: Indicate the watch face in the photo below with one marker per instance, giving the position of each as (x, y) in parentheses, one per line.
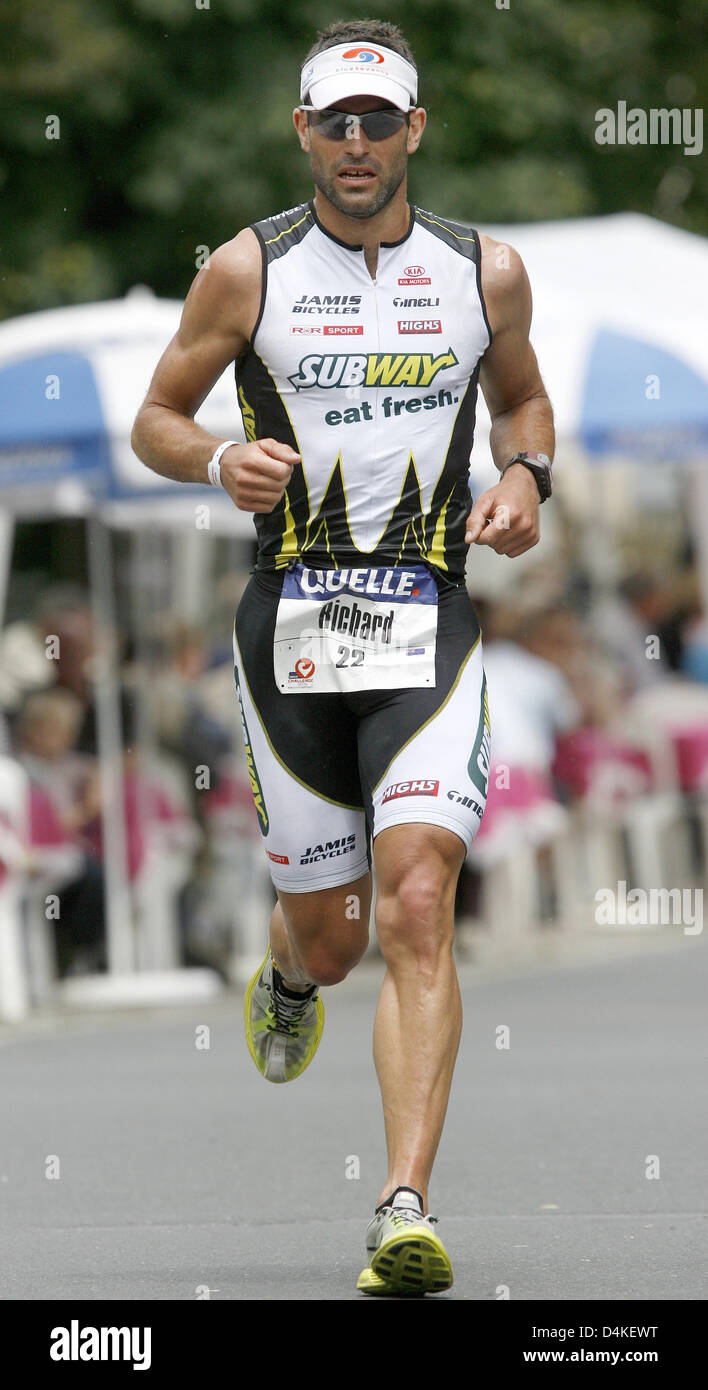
(540, 466)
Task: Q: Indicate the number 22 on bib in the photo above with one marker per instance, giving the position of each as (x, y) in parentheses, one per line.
(355, 629)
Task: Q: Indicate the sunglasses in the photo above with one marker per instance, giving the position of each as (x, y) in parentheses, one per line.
(344, 125)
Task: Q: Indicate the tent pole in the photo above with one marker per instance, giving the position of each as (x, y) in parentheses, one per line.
(697, 491)
(7, 534)
(192, 559)
(119, 913)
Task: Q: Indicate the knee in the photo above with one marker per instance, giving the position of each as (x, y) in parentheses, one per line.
(327, 956)
(414, 916)
(329, 966)
(326, 972)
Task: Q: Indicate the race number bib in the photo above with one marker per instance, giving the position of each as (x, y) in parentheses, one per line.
(355, 629)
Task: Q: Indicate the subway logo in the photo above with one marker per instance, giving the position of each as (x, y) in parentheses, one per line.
(342, 369)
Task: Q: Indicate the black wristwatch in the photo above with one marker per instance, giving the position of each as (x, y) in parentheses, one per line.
(540, 466)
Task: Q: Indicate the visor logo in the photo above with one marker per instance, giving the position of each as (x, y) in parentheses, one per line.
(363, 55)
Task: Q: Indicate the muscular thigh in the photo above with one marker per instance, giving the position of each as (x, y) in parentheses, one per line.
(332, 914)
(424, 753)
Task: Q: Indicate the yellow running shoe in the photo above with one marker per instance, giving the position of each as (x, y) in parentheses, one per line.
(283, 1032)
(406, 1258)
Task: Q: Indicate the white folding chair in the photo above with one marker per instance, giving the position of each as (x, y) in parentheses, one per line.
(14, 839)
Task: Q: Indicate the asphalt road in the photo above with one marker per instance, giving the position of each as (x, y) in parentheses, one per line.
(180, 1170)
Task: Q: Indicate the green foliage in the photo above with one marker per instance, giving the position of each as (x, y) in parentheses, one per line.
(176, 128)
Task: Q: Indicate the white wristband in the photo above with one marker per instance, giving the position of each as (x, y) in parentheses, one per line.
(214, 467)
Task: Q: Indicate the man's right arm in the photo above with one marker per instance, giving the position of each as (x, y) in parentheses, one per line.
(217, 320)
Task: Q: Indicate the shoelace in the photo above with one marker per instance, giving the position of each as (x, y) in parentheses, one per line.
(407, 1216)
(287, 1012)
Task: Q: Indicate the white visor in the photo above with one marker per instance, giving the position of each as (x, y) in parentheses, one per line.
(356, 69)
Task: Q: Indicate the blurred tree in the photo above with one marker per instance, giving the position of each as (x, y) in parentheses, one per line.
(172, 124)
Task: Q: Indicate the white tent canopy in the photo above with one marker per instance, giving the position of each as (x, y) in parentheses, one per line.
(625, 282)
(620, 306)
(69, 452)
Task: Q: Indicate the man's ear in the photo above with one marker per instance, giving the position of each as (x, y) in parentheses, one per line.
(415, 129)
(302, 127)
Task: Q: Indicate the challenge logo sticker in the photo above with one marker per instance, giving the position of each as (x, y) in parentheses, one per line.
(305, 668)
(423, 786)
(332, 370)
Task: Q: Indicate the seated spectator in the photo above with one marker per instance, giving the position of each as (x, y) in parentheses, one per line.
(180, 711)
(64, 802)
(557, 635)
(29, 659)
(694, 649)
(634, 628)
(530, 701)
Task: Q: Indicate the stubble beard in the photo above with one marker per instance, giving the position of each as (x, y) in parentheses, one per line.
(379, 200)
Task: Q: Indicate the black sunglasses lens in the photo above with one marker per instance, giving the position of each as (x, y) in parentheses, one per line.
(379, 125)
(343, 125)
(331, 124)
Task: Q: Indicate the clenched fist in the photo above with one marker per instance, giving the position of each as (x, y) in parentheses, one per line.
(256, 475)
(505, 517)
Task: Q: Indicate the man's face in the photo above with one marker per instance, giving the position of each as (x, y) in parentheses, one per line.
(359, 176)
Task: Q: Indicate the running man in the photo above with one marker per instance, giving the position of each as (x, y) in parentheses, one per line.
(360, 326)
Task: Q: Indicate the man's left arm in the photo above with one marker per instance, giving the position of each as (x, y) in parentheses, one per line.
(505, 517)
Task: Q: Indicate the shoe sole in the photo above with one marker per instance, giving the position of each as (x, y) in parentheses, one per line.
(416, 1264)
(249, 1036)
(368, 1282)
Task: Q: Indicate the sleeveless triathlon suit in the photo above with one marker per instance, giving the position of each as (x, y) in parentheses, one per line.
(357, 652)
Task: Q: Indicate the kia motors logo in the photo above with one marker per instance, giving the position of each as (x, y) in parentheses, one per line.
(414, 275)
(422, 786)
(305, 667)
(363, 55)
